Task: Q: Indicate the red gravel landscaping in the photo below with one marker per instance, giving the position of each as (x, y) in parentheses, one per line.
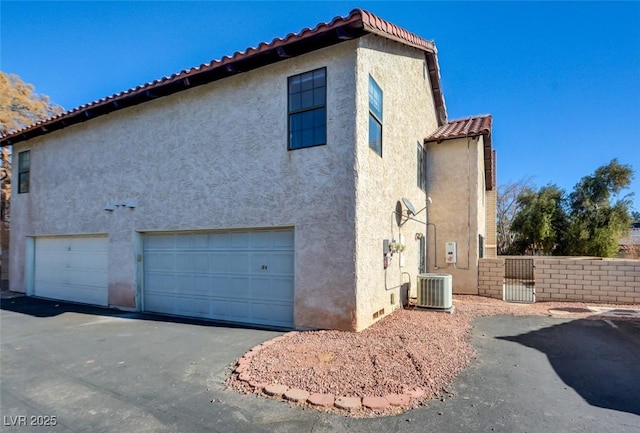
(399, 363)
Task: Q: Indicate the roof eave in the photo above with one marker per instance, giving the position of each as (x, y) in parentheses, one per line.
(340, 29)
(489, 154)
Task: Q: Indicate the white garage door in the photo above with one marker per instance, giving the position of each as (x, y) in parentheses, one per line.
(238, 276)
(72, 268)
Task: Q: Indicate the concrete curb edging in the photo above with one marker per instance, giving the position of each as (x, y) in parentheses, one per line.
(297, 395)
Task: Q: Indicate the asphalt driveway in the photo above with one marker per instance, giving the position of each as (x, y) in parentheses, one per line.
(107, 371)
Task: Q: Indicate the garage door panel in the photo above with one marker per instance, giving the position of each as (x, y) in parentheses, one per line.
(238, 264)
(240, 240)
(237, 310)
(160, 282)
(160, 261)
(271, 313)
(189, 306)
(160, 242)
(219, 285)
(226, 262)
(50, 258)
(185, 280)
(70, 292)
(281, 263)
(185, 262)
(90, 278)
(159, 302)
(201, 285)
(238, 288)
(200, 262)
(261, 240)
(91, 260)
(218, 241)
(72, 268)
(221, 275)
(274, 289)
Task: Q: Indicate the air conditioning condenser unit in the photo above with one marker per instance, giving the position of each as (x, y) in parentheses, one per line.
(435, 291)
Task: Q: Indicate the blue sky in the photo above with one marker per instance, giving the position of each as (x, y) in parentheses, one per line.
(562, 80)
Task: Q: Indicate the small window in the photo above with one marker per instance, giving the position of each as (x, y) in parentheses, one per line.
(375, 116)
(307, 109)
(421, 255)
(421, 167)
(480, 246)
(24, 166)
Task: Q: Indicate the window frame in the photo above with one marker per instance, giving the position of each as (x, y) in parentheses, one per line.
(421, 167)
(291, 113)
(24, 171)
(422, 257)
(376, 113)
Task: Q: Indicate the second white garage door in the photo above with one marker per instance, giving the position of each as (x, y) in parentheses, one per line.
(238, 276)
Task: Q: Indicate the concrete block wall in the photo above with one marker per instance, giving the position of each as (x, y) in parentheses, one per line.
(591, 280)
(491, 277)
(491, 248)
(570, 279)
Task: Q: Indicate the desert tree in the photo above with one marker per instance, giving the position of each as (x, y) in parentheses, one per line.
(541, 222)
(506, 210)
(599, 216)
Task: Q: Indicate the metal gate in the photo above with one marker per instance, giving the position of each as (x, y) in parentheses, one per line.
(519, 280)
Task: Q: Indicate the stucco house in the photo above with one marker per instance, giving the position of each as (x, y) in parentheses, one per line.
(630, 244)
(261, 188)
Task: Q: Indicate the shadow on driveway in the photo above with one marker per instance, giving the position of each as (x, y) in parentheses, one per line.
(603, 371)
(37, 307)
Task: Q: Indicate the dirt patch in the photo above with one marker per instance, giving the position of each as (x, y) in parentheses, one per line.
(412, 353)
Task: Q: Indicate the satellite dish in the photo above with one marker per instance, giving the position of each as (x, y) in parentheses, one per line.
(410, 209)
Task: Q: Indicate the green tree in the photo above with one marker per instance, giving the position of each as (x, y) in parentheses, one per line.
(599, 217)
(541, 223)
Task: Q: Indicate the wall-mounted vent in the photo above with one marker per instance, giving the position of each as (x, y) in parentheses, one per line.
(435, 291)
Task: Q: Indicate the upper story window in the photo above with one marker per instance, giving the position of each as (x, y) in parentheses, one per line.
(24, 166)
(421, 167)
(307, 109)
(375, 116)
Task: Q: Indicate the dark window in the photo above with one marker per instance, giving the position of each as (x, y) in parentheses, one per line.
(480, 246)
(24, 166)
(307, 109)
(421, 253)
(421, 167)
(375, 116)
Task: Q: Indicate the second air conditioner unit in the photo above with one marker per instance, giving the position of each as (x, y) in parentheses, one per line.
(435, 291)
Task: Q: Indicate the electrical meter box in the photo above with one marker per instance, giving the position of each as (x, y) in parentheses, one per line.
(451, 253)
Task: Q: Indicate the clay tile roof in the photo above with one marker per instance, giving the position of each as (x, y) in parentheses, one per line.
(471, 127)
(467, 127)
(358, 23)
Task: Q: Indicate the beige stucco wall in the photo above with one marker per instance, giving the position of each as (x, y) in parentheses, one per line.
(408, 116)
(455, 182)
(213, 157)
